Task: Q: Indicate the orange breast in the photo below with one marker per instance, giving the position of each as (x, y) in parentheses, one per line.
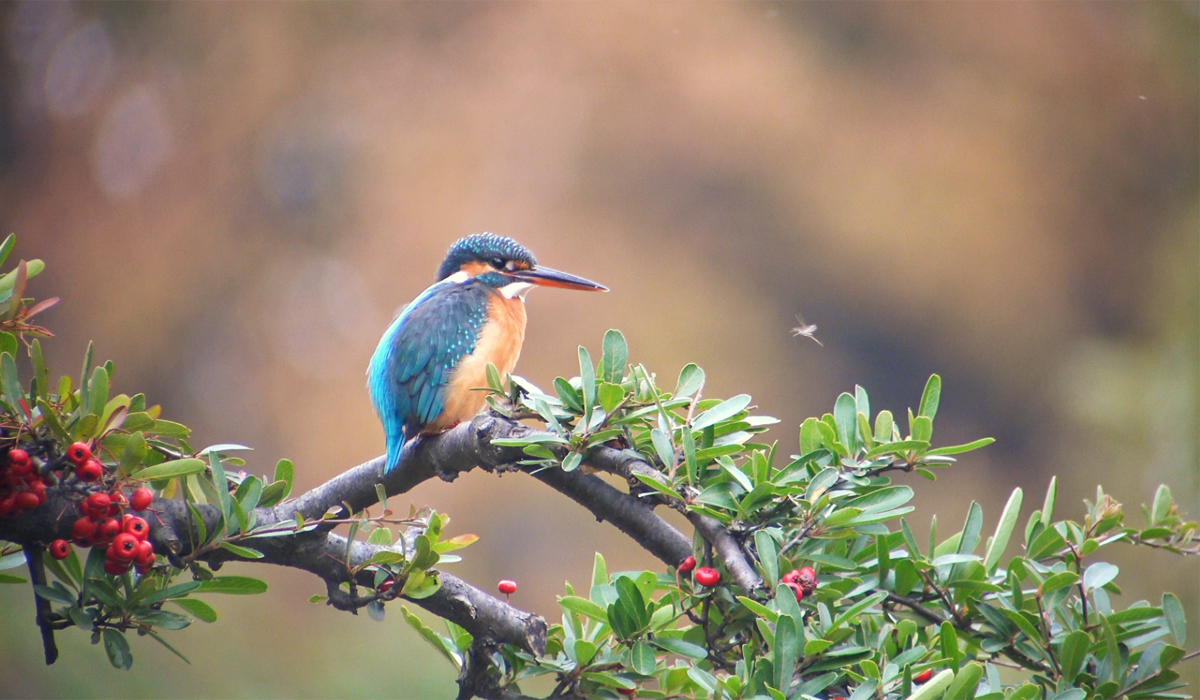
(500, 344)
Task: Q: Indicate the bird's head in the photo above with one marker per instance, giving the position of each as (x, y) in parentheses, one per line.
(506, 265)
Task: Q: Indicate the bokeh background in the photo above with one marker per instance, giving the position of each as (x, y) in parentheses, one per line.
(234, 199)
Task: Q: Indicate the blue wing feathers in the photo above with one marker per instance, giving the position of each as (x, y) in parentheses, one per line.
(415, 357)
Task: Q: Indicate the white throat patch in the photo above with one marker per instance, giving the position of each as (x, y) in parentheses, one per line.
(516, 289)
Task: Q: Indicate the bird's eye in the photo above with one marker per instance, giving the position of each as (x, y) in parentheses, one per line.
(497, 263)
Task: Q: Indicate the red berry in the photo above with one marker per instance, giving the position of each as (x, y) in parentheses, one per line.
(141, 498)
(807, 579)
(22, 468)
(60, 549)
(792, 576)
(387, 585)
(116, 567)
(145, 553)
(8, 507)
(107, 531)
(18, 456)
(628, 692)
(144, 565)
(796, 589)
(138, 527)
(83, 532)
(507, 587)
(923, 676)
(124, 546)
(90, 470)
(79, 453)
(27, 500)
(686, 566)
(97, 506)
(707, 576)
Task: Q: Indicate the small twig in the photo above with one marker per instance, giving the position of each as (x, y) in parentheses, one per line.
(41, 606)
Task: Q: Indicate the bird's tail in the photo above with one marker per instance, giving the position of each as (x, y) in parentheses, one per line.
(395, 445)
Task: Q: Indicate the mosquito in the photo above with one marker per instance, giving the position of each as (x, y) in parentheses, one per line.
(808, 330)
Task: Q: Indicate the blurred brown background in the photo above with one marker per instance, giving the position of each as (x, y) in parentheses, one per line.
(233, 200)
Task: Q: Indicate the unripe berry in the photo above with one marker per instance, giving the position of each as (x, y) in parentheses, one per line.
(923, 676)
(707, 576)
(116, 567)
(107, 531)
(138, 527)
(90, 470)
(27, 501)
(686, 566)
(141, 498)
(79, 453)
(124, 547)
(507, 587)
(60, 549)
(18, 456)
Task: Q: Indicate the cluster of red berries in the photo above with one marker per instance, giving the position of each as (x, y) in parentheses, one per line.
(802, 581)
(22, 487)
(705, 576)
(124, 539)
(86, 467)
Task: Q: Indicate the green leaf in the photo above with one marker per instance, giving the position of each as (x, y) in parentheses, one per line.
(768, 556)
(786, 652)
(758, 609)
(572, 461)
(882, 499)
(883, 426)
(609, 396)
(933, 688)
(1162, 504)
(244, 552)
(898, 446)
(97, 391)
(583, 606)
(723, 411)
(10, 382)
(922, 428)
(844, 415)
(568, 395)
(662, 445)
(1072, 654)
(931, 397)
(691, 379)
(1004, 528)
(810, 436)
(1099, 574)
(965, 682)
(642, 658)
(587, 376)
(1048, 504)
(117, 648)
(658, 486)
(616, 353)
(959, 449)
(435, 640)
(57, 594)
(1173, 610)
(177, 591)
(167, 470)
(6, 247)
(680, 647)
(1059, 580)
(233, 585)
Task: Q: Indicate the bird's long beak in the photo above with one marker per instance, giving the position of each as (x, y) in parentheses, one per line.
(546, 277)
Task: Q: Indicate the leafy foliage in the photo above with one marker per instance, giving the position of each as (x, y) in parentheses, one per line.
(886, 617)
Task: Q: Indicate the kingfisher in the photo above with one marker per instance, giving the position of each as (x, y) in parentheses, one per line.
(425, 373)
